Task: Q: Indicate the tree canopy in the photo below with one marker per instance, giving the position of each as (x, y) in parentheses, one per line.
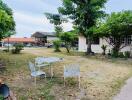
(68, 38)
(116, 27)
(84, 14)
(57, 20)
(7, 23)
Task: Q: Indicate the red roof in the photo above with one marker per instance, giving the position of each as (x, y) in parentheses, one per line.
(20, 40)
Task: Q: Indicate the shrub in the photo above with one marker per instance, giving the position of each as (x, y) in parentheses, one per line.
(6, 50)
(104, 49)
(114, 54)
(121, 55)
(127, 54)
(17, 48)
(68, 38)
(57, 44)
(1, 97)
(109, 53)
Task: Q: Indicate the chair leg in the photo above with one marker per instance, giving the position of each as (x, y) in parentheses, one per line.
(45, 76)
(64, 81)
(79, 81)
(35, 80)
(51, 72)
(49, 69)
(39, 68)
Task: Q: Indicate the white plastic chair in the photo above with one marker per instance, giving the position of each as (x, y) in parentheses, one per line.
(39, 62)
(72, 70)
(35, 73)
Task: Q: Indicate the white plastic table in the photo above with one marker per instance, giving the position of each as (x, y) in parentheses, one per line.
(50, 60)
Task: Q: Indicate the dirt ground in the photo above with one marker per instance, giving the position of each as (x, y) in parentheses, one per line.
(101, 79)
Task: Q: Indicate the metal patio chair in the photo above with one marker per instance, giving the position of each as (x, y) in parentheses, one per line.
(40, 63)
(72, 70)
(35, 73)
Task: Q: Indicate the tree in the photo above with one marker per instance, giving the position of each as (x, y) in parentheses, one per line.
(57, 20)
(17, 48)
(58, 30)
(7, 23)
(84, 14)
(104, 47)
(57, 45)
(68, 38)
(116, 28)
(4, 7)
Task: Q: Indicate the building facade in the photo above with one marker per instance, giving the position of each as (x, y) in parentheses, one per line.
(96, 47)
(11, 41)
(42, 38)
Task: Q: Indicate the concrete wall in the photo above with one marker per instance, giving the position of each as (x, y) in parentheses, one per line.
(82, 44)
(51, 38)
(97, 48)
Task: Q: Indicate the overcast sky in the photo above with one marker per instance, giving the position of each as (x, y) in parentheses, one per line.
(29, 14)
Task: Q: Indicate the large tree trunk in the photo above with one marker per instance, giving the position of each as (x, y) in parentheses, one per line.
(68, 51)
(67, 47)
(116, 49)
(89, 50)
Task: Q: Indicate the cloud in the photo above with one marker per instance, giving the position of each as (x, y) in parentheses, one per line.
(67, 26)
(34, 6)
(118, 5)
(30, 19)
(28, 23)
(29, 15)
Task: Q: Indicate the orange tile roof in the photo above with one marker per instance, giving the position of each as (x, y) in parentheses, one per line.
(20, 40)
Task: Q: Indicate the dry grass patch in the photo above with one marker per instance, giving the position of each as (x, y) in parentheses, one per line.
(100, 78)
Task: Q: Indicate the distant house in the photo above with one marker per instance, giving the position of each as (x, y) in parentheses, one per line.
(42, 38)
(25, 41)
(98, 42)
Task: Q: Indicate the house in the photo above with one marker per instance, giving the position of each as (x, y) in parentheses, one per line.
(42, 38)
(98, 42)
(11, 41)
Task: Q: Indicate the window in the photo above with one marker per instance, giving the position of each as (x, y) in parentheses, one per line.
(125, 40)
(129, 39)
(96, 40)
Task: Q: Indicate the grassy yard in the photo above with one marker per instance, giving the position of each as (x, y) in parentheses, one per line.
(101, 78)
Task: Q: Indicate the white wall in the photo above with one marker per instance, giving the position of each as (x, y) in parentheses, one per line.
(51, 38)
(82, 44)
(97, 48)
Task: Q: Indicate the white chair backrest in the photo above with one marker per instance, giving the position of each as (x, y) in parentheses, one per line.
(71, 70)
(32, 67)
(38, 60)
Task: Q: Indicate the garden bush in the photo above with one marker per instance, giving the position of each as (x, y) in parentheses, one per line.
(17, 48)
(57, 44)
(6, 50)
(1, 97)
(127, 54)
(68, 38)
(114, 54)
(104, 47)
(121, 55)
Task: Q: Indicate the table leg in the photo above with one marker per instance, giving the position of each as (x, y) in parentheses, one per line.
(39, 68)
(51, 71)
